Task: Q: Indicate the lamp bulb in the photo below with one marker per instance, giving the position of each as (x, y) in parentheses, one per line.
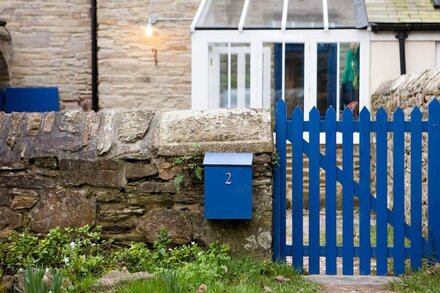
(149, 30)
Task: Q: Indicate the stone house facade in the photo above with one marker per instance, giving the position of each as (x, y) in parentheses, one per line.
(51, 46)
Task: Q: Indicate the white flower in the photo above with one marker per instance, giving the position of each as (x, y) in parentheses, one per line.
(72, 245)
(66, 260)
(169, 249)
(193, 243)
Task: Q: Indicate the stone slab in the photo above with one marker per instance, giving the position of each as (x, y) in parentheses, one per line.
(352, 280)
(238, 130)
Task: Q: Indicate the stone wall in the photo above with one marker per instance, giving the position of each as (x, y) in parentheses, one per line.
(5, 55)
(51, 46)
(116, 170)
(407, 92)
(128, 76)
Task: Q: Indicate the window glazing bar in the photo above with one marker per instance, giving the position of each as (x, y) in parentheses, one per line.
(243, 15)
(198, 13)
(284, 17)
(283, 73)
(325, 14)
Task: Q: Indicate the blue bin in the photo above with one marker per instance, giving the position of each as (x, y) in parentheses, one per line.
(31, 99)
(228, 186)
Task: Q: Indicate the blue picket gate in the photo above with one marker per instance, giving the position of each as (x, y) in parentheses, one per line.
(408, 242)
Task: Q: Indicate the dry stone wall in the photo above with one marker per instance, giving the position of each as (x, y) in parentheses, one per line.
(407, 92)
(117, 170)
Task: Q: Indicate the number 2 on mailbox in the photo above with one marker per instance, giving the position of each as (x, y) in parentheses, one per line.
(228, 178)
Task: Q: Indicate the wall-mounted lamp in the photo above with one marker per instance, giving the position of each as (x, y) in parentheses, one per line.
(152, 20)
(149, 27)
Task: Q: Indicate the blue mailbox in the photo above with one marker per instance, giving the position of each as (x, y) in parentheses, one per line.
(228, 186)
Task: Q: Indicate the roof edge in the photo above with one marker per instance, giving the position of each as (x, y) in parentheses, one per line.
(404, 26)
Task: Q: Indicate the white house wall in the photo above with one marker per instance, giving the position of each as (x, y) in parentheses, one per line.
(385, 59)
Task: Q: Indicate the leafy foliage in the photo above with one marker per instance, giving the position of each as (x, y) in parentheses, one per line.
(190, 168)
(81, 256)
(33, 281)
(76, 252)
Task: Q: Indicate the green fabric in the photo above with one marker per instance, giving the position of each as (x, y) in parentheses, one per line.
(351, 71)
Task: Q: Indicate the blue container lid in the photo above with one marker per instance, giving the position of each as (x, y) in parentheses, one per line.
(234, 159)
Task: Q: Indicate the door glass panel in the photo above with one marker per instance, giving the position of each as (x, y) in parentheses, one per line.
(221, 14)
(248, 81)
(349, 76)
(223, 79)
(305, 14)
(264, 14)
(326, 77)
(234, 83)
(294, 77)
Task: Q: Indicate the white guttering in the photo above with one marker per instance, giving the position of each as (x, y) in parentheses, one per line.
(284, 17)
(325, 14)
(197, 16)
(243, 15)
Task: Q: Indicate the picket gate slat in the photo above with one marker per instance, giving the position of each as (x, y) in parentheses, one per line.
(364, 182)
(330, 192)
(279, 209)
(297, 187)
(347, 192)
(416, 189)
(314, 193)
(382, 200)
(399, 192)
(434, 179)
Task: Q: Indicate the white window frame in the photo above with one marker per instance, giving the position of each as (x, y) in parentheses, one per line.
(241, 52)
(257, 38)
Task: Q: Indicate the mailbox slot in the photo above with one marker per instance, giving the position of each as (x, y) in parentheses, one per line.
(228, 186)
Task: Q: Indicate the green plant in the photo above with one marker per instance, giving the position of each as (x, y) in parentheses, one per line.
(275, 159)
(425, 280)
(34, 283)
(169, 277)
(77, 253)
(190, 168)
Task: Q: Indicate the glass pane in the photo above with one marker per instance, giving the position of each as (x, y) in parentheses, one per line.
(327, 82)
(223, 76)
(229, 81)
(349, 76)
(221, 14)
(234, 81)
(305, 14)
(294, 77)
(264, 14)
(248, 81)
(341, 13)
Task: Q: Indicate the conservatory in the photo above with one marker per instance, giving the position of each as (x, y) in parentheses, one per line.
(250, 53)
